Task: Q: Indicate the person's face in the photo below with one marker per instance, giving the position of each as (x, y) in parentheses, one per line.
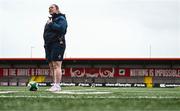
(52, 10)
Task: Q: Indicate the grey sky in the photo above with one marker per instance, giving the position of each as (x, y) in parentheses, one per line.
(97, 28)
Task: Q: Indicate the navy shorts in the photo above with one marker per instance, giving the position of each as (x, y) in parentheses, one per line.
(55, 51)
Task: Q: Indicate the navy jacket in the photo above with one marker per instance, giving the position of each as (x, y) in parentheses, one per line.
(55, 30)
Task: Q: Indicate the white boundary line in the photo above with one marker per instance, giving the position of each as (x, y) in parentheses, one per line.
(89, 94)
(7, 92)
(92, 97)
(83, 92)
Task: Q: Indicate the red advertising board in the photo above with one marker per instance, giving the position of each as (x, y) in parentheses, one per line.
(1, 72)
(93, 72)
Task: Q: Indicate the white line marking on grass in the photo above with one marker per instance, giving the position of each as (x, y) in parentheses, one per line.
(6, 92)
(83, 92)
(92, 97)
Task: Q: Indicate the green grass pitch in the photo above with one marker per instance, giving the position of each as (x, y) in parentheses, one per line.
(90, 99)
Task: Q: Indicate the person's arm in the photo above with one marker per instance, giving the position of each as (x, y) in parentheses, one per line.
(61, 25)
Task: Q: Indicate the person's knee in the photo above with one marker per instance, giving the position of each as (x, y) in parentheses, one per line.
(56, 65)
(50, 65)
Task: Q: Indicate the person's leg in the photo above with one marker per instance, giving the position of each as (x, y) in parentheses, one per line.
(57, 71)
(57, 75)
(51, 70)
(57, 53)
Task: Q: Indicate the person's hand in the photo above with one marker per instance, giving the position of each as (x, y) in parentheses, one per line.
(49, 21)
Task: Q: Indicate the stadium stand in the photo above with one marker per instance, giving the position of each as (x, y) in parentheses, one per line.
(19, 71)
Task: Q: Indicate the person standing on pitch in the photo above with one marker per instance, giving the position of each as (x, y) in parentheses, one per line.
(54, 44)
